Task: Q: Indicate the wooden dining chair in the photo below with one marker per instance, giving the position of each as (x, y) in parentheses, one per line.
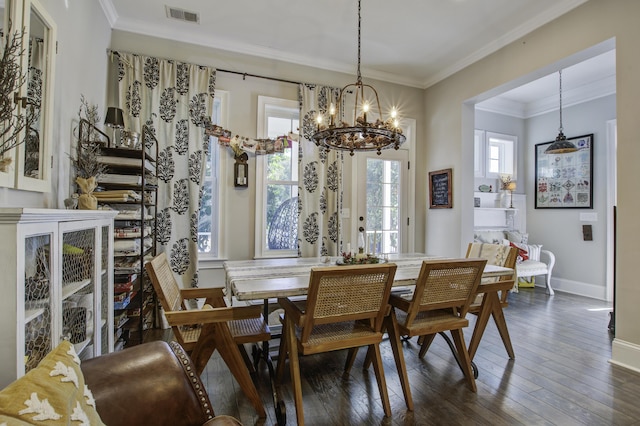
(214, 327)
(345, 308)
(443, 293)
(499, 255)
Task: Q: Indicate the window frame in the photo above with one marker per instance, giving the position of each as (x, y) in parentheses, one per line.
(265, 105)
(479, 156)
(219, 167)
(489, 137)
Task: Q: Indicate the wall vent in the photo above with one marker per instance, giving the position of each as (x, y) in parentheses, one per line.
(182, 15)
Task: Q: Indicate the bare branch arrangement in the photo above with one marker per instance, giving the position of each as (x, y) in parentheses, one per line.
(86, 163)
(90, 142)
(11, 80)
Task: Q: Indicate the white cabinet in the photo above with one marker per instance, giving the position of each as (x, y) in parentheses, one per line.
(58, 283)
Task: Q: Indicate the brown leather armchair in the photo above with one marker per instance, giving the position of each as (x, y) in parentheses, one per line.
(150, 384)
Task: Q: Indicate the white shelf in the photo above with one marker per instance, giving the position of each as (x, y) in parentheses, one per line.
(31, 314)
(74, 287)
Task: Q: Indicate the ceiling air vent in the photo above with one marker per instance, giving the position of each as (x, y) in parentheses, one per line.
(182, 15)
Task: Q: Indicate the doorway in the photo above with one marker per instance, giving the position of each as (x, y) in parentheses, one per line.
(541, 222)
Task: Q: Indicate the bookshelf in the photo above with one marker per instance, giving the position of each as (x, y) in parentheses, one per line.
(130, 188)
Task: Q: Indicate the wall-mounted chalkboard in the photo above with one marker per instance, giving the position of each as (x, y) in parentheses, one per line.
(440, 186)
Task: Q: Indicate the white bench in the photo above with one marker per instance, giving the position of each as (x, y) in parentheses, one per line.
(540, 261)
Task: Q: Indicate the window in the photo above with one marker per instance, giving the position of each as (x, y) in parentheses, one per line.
(499, 154)
(209, 237)
(277, 181)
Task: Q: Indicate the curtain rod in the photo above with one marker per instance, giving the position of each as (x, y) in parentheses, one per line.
(245, 74)
(117, 53)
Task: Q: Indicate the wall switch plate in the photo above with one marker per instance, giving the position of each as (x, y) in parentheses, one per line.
(587, 233)
(588, 217)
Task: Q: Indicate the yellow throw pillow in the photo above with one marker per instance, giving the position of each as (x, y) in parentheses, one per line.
(53, 393)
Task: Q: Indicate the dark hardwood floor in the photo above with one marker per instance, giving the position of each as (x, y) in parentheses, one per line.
(561, 376)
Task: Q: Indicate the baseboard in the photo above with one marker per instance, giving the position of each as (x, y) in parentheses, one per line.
(625, 354)
(574, 287)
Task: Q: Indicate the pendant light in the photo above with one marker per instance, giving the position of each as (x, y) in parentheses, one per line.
(561, 145)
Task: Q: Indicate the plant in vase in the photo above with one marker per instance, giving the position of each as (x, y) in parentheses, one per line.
(88, 168)
(505, 185)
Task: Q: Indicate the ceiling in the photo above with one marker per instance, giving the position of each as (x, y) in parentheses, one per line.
(418, 44)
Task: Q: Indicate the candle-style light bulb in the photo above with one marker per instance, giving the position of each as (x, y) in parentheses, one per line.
(394, 113)
(365, 110)
(319, 120)
(332, 114)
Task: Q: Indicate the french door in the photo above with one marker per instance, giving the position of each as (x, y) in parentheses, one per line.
(382, 201)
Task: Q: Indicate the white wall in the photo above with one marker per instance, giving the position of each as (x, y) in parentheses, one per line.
(580, 265)
(81, 66)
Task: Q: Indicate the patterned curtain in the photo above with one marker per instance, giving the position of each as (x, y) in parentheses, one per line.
(173, 100)
(320, 187)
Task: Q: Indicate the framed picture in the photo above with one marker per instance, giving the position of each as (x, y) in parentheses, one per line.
(440, 186)
(565, 181)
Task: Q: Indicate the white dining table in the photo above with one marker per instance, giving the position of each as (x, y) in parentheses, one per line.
(266, 279)
(272, 278)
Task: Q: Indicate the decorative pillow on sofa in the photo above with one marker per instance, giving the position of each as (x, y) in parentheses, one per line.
(53, 393)
(488, 236)
(518, 237)
(523, 253)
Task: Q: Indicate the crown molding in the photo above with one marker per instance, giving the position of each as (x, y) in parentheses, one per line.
(109, 12)
(576, 96)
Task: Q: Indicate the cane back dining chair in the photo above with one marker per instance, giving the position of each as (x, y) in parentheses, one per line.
(345, 308)
(499, 255)
(214, 327)
(440, 301)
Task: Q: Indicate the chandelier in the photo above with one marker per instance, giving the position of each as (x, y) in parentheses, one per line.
(561, 145)
(361, 134)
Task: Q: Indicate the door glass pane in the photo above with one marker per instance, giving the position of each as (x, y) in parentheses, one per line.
(36, 87)
(383, 206)
(37, 299)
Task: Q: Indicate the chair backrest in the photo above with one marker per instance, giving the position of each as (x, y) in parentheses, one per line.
(496, 254)
(446, 284)
(164, 283)
(348, 293)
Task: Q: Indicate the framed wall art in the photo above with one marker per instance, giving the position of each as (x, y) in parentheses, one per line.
(440, 187)
(565, 181)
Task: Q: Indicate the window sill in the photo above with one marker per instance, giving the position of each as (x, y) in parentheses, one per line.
(211, 263)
